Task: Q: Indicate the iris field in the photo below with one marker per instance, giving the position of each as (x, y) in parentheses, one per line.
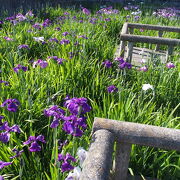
(58, 72)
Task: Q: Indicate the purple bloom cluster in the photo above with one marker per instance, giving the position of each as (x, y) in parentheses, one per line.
(64, 41)
(107, 64)
(108, 10)
(5, 136)
(33, 141)
(82, 36)
(53, 40)
(86, 11)
(37, 26)
(166, 12)
(77, 106)
(170, 65)
(10, 18)
(46, 23)
(12, 104)
(112, 89)
(93, 20)
(123, 64)
(20, 17)
(18, 67)
(23, 46)
(59, 60)
(8, 38)
(41, 63)
(144, 68)
(66, 160)
(74, 125)
(65, 33)
(57, 113)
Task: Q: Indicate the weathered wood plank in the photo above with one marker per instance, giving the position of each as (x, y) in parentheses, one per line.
(99, 158)
(122, 156)
(149, 39)
(135, 133)
(154, 27)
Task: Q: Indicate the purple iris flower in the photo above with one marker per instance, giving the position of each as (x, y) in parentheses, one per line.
(86, 11)
(1, 22)
(64, 41)
(107, 64)
(67, 97)
(10, 18)
(53, 40)
(5, 127)
(12, 104)
(5, 136)
(170, 65)
(57, 28)
(17, 153)
(6, 83)
(77, 106)
(136, 18)
(112, 89)
(60, 60)
(29, 14)
(34, 147)
(37, 26)
(66, 160)
(18, 67)
(46, 23)
(119, 59)
(3, 164)
(107, 19)
(23, 46)
(41, 63)
(57, 113)
(125, 65)
(53, 57)
(20, 17)
(8, 38)
(82, 36)
(65, 33)
(1, 177)
(144, 68)
(66, 13)
(74, 125)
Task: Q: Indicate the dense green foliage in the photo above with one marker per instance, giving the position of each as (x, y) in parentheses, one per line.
(84, 76)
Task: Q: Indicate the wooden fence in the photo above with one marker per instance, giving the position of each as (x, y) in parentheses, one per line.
(128, 37)
(106, 132)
